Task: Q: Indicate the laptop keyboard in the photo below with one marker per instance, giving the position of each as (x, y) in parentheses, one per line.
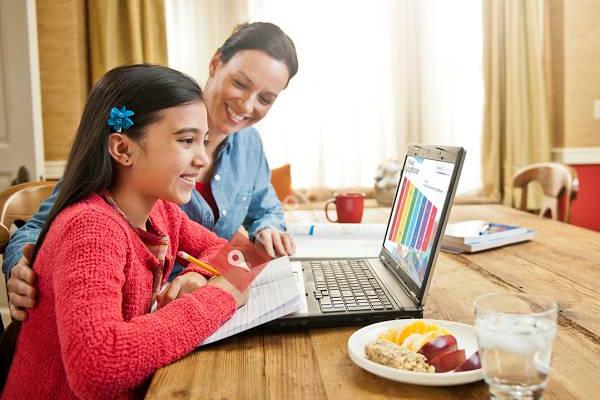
(347, 285)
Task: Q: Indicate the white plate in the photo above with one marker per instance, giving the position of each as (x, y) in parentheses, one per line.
(465, 337)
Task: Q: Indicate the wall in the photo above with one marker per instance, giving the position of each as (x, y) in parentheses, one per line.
(63, 70)
(21, 130)
(581, 72)
(575, 47)
(586, 208)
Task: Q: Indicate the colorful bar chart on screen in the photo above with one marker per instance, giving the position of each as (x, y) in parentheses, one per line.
(414, 218)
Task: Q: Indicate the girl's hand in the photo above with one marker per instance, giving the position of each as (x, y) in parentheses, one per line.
(180, 286)
(240, 297)
(275, 243)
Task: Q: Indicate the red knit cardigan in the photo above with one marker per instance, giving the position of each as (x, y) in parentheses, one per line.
(91, 335)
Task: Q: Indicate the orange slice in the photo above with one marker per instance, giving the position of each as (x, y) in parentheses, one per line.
(420, 327)
(415, 341)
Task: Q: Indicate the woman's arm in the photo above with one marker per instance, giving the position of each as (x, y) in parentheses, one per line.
(28, 233)
(97, 344)
(265, 208)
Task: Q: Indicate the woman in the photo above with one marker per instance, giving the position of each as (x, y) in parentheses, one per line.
(246, 75)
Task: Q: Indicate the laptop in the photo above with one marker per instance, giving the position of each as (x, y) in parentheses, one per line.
(351, 291)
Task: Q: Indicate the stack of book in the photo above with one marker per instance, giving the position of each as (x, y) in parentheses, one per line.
(473, 236)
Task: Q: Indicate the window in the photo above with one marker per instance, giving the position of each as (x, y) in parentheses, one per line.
(373, 76)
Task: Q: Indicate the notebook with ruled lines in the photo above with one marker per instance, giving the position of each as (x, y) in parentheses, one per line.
(273, 294)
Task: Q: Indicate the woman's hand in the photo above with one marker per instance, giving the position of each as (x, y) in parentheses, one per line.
(21, 286)
(275, 243)
(181, 285)
(240, 297)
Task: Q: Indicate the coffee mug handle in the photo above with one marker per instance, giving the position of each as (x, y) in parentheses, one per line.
(330, 201)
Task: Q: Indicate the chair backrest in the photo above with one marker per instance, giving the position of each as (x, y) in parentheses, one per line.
(281, 179)
(4, 237)
(556, 180)
(19, 203)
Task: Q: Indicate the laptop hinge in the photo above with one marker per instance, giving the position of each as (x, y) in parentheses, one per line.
(411, 295)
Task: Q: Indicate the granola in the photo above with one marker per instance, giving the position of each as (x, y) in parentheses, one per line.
(390, 354)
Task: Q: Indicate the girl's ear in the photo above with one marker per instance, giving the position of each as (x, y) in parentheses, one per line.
(214, 64)
(120, 148)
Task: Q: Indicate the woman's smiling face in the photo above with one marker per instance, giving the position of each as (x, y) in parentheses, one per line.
(240, 92)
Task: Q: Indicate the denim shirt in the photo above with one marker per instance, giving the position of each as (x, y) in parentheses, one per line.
(241, 186)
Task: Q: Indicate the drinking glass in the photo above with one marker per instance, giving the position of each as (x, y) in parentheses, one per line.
(515, 334)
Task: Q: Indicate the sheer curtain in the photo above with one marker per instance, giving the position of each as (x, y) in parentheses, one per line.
(373, 76)
(197, 28)
(516, 120)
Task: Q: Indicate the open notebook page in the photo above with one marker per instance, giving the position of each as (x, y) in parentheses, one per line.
(272, 295)
(337, 231)
(322, 241)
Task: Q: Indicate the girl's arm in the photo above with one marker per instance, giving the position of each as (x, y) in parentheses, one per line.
(105, 355)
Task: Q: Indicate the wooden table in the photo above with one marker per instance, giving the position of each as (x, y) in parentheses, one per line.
(563, 262)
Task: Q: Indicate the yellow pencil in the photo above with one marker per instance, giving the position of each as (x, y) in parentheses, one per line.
(199, 263)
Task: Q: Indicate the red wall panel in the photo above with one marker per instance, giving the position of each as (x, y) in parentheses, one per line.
(586, 207)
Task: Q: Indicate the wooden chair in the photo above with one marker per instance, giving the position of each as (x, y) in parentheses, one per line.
(281, 179)
(17, 204)
(556, 180)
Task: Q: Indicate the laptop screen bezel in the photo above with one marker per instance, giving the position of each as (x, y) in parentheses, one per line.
(454, 155)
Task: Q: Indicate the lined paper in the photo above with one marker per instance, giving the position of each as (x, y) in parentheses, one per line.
(272, 295)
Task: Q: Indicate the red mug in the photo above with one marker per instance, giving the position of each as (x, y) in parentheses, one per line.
(349, 207)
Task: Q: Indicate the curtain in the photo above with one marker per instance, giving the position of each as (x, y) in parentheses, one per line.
(197, 28)
(125, 32)
(373, 76)
(516, 120)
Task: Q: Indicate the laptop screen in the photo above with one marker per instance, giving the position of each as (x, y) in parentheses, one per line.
(416, 214)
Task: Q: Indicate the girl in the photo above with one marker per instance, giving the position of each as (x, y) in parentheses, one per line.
(111, 240)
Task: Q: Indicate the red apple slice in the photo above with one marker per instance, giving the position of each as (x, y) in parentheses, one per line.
(470, 364)
(438, 346)
(448, 361)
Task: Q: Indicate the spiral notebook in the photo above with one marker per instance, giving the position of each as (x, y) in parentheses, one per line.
(477, 235)
(273, 294)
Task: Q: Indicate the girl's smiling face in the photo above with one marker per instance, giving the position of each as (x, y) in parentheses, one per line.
(166, 162)
(239, 93)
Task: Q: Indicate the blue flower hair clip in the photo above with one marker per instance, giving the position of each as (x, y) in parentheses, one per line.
(119, 119)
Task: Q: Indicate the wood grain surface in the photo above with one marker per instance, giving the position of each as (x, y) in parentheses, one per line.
(563, 262)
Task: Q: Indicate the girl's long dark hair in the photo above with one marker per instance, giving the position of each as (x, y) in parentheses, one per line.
(144, 89)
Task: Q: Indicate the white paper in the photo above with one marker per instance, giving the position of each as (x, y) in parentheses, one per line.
(272, 295)
(321, 241)
(338, 231)
(335, 248)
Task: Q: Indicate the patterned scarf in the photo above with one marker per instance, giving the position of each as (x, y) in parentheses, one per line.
(156, 241)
